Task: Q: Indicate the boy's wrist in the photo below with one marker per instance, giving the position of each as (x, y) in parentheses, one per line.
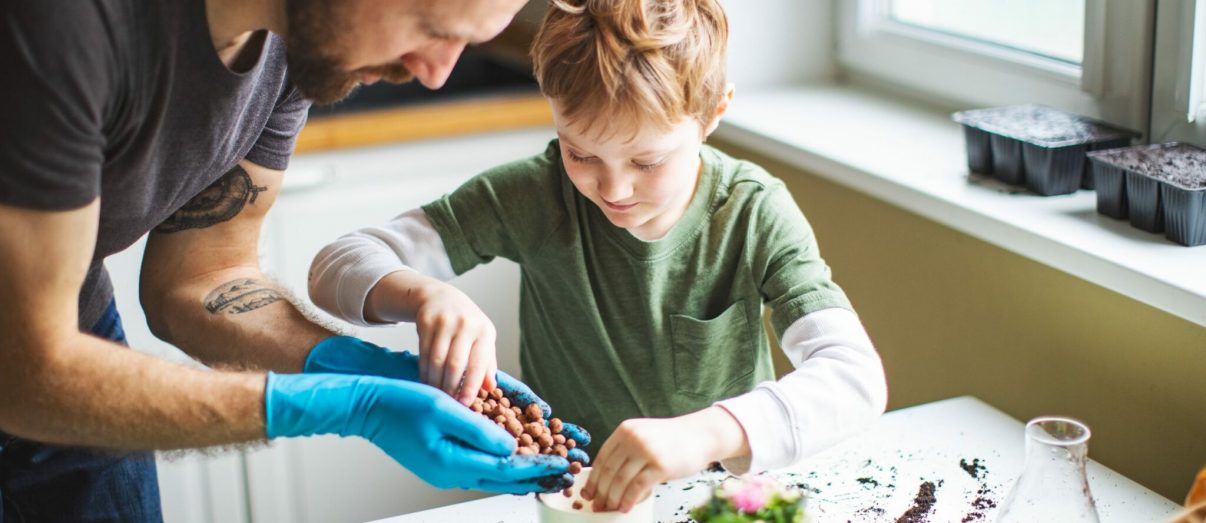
(725, 436)
(398, 296)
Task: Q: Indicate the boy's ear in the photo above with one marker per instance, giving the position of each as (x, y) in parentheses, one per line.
(721, 108)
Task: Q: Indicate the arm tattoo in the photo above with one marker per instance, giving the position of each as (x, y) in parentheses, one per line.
(239, 296)
(217, 203)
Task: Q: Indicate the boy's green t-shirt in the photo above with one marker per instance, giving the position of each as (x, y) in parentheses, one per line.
(614, 327)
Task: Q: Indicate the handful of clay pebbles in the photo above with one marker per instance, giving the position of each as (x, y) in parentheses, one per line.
(527, 425)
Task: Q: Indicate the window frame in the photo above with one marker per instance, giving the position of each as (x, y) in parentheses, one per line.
(1177, 83)
(963, 72)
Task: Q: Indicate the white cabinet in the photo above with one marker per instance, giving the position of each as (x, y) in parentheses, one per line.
(328, 479)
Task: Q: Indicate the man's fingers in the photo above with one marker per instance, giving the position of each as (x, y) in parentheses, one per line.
(477, 433)
(579, 455)
(518, 468)
(576, 432)
(520, 393)
(547, 484)
(515, 474)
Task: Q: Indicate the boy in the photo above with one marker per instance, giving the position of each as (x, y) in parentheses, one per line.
(646, 259)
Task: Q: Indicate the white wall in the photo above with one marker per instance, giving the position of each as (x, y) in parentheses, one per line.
(771, 42)
(776, 42)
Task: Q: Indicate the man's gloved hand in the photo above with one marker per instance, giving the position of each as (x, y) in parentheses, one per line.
(424, 429)
(348, 355)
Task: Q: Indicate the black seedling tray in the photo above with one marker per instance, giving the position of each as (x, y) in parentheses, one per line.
(1036, 146)
(1161, 188)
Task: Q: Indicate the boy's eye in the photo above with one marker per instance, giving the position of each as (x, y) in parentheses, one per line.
(580, 159)
(647, 166)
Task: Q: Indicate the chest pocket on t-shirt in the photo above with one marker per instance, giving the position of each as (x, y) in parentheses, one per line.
(711, 356)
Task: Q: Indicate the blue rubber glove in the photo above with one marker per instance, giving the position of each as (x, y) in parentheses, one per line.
(348, 355)
(425, 430)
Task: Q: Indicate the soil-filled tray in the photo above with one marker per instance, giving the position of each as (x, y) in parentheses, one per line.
(1036, 146)
(1159, 187)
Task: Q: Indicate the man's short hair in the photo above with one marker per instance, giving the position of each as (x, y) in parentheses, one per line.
(632, 63)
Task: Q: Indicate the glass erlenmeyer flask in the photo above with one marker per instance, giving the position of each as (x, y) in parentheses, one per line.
(1053, 486)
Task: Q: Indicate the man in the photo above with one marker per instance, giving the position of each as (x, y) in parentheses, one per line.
(119, 117)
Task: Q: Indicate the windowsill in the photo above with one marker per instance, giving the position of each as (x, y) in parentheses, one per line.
(913, 158)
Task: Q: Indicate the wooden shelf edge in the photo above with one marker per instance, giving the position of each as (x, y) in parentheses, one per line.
(420, 122)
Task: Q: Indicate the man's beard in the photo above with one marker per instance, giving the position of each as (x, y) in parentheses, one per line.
(312, 68)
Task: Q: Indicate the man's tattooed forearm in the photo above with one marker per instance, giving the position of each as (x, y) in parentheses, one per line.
(217, 203)
(239, 296)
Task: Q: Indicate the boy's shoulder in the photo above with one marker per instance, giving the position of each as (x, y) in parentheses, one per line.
(536, 177)
(523, 190)
(741, 180)
(545, 165)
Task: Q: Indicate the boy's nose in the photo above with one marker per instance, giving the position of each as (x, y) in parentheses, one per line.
(614, 189)
(434, 65)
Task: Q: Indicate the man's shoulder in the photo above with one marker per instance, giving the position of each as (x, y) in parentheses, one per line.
(72, 41)
(69, 24)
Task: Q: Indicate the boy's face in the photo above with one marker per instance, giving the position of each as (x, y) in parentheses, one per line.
(335, 46)
(644, 183)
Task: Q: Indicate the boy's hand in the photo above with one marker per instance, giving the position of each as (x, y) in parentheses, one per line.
(456, 343)
(644, 452)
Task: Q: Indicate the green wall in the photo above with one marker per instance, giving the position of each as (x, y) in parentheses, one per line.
(953, 315)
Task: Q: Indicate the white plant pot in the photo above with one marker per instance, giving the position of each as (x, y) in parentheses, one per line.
(556, 508)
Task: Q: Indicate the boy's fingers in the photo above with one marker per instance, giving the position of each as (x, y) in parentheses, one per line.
(490, 383)
(622, 480)
(459, 352)
(602, 475)
(475, 374)
(439, 355)
(601, 469)
(638, 489)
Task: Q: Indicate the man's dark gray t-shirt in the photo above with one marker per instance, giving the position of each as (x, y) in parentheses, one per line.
(127, 100)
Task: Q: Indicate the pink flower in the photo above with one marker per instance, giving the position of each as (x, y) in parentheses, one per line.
(749, 495)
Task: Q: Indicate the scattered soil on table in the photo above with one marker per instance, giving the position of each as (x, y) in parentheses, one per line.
(974, 469)
(923, 503)
(868, 482)
(875, 486)
(981, 505)
(870, 512)
(983, 501)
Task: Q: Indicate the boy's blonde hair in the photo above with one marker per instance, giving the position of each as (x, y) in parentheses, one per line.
(631, 63)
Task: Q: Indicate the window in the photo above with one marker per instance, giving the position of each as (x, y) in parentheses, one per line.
(1049, 28)
(1091, 57)
(1196, 108)
(1179, 73)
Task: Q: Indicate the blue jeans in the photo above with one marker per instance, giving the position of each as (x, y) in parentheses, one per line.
(40, 482)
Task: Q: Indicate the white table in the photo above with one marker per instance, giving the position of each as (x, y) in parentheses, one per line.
(876, 476)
